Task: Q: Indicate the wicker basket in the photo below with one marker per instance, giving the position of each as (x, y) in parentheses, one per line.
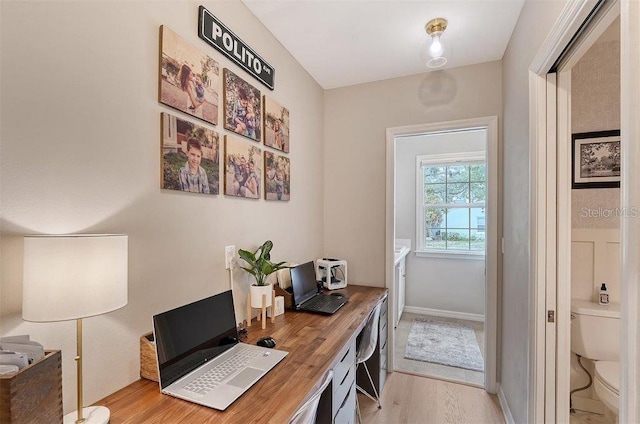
(148, 359)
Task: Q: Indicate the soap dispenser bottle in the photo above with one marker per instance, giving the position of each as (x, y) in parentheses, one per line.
(603, 298)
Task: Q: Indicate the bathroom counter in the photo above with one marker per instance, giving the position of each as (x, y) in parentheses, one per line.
(399, 253)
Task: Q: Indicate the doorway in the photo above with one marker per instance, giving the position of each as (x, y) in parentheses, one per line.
(594, 208)
(464, 226)
(551, 185)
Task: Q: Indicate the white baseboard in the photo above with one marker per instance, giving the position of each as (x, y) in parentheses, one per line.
(506, 412)
(444, 314)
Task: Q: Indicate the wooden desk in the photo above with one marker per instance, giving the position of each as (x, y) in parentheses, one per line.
(313, 342)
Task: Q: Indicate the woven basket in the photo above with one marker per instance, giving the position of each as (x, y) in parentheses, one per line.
(148, 359)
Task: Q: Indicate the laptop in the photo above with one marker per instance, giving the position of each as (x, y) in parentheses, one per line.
(200, 358)
(305, 292)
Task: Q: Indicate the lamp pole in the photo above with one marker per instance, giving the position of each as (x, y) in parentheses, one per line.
(80, 419)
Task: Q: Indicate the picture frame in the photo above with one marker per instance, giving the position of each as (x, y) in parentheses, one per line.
(243, 168)
(188, 79)
(277, 177)
(595, 159)
(190, 156)
(276, 125)
(242, 107)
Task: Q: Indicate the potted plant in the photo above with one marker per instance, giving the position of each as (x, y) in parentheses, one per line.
(260, 266)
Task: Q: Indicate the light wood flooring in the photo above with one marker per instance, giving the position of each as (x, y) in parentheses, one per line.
(412, 399)
(428, 369)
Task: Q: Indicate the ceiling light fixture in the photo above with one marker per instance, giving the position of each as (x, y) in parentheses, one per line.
(435, 28)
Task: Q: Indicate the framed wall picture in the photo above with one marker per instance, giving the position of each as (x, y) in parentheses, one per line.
(596, 159)
(190, 156)
(189, 79)
(242, 168)
(276, 125)
(242, 107)
(277, 177)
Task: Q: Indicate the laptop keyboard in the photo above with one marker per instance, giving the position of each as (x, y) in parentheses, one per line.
(212, 378)
(318, 302)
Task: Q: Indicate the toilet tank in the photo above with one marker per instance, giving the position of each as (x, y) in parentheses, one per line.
(595, 330)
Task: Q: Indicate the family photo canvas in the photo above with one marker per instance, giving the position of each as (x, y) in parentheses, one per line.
(276, 125)
(242, 107)
(189, 78)
(190, 156)
(277, 177)
(242, 168)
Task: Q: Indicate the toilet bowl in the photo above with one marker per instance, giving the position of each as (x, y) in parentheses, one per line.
(595, 334)
(607, 384)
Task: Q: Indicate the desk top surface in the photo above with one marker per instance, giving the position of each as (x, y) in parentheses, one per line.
(313, 342)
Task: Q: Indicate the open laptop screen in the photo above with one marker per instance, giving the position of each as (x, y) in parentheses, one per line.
(188, 336)
(303, 281)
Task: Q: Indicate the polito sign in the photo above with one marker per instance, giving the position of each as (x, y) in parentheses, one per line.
(214, 32)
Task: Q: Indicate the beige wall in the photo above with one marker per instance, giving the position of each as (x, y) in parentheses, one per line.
(595, 106)
(534, 23)
(80, 154)
(356, 118)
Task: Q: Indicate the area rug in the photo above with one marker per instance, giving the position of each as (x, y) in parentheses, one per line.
(445, 343)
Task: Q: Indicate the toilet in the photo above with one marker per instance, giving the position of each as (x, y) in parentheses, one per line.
(595, 334)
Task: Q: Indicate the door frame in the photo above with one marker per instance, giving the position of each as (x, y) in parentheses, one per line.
(550, 107)
(494, 221)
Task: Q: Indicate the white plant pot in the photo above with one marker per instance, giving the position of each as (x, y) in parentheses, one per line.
(256, 295)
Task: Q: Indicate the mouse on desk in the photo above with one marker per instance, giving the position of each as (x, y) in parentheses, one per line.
(268, 341)
(336, 294)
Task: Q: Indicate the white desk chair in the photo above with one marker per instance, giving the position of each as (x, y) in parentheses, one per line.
(365, 350)
(306, 414)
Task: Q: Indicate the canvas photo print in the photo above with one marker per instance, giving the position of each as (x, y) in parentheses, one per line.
(242, 107)
(277, 177)
(243, 168)
(190, 156)
(276, 125)
(189, 78)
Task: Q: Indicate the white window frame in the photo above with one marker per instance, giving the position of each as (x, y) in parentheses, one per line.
(446, 160)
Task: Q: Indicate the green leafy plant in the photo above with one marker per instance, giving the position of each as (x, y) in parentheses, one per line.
(260, 265)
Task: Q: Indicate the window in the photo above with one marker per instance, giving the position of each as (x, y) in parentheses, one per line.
(451, 194)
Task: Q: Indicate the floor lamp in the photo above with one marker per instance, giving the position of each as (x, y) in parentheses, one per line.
(73, 277)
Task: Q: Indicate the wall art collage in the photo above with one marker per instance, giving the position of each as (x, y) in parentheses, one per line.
(192, 157)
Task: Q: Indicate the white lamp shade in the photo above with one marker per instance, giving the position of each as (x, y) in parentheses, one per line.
(73, 276)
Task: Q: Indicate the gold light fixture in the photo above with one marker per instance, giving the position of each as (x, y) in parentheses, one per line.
(435, 28)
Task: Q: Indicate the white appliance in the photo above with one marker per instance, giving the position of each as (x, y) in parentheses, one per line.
(332, 273)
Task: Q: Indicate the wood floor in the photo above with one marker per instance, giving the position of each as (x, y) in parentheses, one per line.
(420, 400)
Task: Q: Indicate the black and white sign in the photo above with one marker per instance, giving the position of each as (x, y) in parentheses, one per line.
(214, 32)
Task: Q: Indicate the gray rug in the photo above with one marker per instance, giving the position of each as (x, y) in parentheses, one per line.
(445, 343)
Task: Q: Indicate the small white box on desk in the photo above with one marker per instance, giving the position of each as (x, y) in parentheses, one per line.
(332, 273)
(279, 307)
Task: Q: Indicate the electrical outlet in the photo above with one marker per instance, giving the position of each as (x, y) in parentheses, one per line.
(229, 256)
